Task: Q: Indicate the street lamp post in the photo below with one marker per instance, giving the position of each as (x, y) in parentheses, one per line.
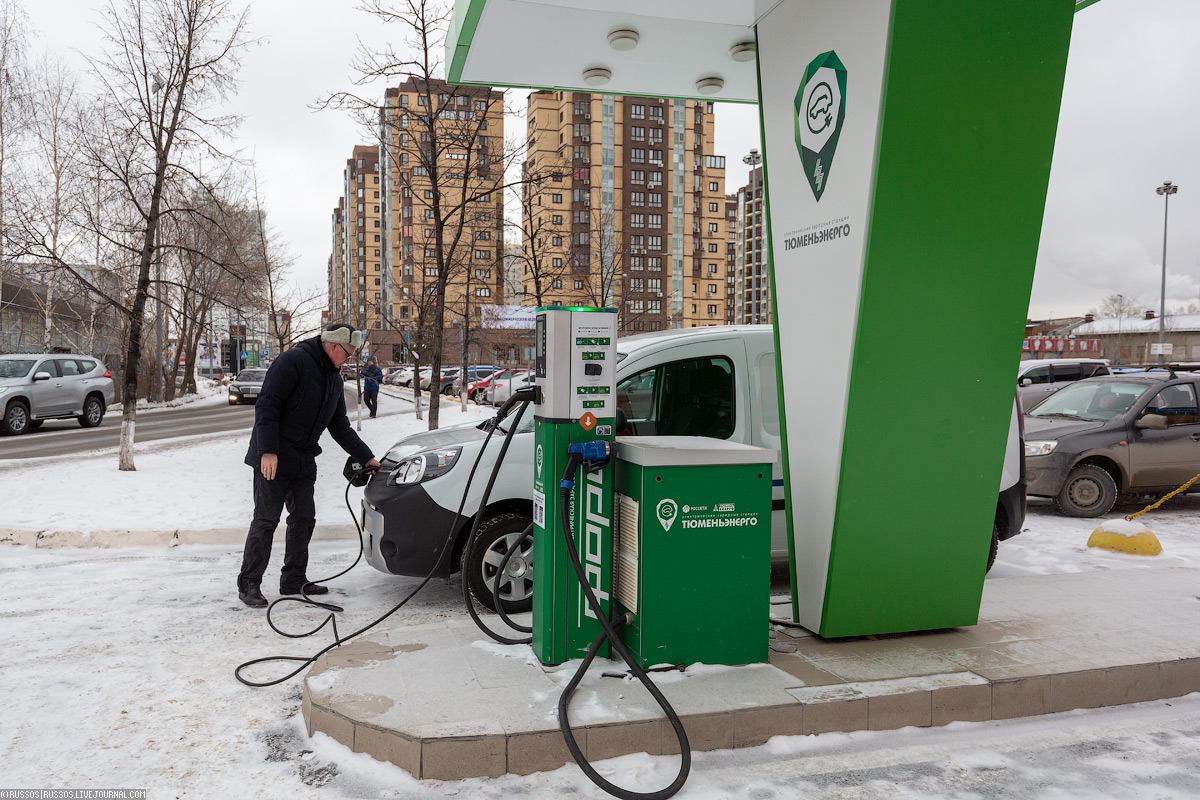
(753, 160)
(1120, 318)
(1166, 190)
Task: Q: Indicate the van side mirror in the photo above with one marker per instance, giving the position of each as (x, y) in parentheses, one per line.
(41, 376)
(1027, 381)
(1155, 422)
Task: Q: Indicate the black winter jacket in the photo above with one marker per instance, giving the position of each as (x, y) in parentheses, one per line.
(301, 397)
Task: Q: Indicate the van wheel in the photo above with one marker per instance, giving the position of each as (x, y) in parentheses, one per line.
(1089, 491)
(16, 418)
(495, 538)
(93, 413)
(995, 547)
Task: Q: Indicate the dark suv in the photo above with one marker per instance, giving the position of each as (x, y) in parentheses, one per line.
(1103, 437)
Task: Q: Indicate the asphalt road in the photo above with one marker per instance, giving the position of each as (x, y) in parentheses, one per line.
(65, 437)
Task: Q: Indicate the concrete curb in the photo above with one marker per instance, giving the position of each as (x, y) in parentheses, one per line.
(118, 538)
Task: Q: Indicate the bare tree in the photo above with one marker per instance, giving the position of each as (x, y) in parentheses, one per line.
(13, 38)
(1117, 305)
(461, 166)
(545, 242)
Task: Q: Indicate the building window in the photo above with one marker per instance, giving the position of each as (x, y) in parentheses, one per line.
(431, 272)
(637, 199)
(637, 176)
(712, 269)
(557, 283)
(654, 284)
(656, 135)
(654, 242)
(483, 254)
(483, 234)
(656, 179)
(557, 262)
(483, 291)
(656, 221)
(654, 263)
(712, 227)
(578, 284)
(712, 247)
(656, 199)
(580, 195)
(557, 240)
(638, 155)
(712, 288)
(713, 186)
(637, 134)
(637, 111)
(481, 105)
(556, 198)
(636, 285)
(656, 113)
(637, 242)
(655, 306)
(637, 220)
(712, 206)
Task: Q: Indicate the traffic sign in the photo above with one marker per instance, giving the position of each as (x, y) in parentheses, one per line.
(266, 353)
(245, 354)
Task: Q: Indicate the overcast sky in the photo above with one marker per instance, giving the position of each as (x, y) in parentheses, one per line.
(1130, 120)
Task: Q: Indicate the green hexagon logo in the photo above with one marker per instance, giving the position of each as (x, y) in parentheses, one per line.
(820, 111)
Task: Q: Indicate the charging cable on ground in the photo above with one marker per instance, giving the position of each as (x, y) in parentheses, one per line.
(331, 620)
(594, 455)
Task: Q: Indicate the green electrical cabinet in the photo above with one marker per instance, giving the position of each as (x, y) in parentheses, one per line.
(693, 549)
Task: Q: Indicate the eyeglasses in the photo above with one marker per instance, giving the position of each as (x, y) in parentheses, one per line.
(347, 349)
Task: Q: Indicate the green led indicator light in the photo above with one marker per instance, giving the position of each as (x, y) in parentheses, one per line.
(593, 404)
(591, 390)
(592, 341)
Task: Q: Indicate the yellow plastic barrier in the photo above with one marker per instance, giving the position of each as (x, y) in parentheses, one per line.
(1122, 536)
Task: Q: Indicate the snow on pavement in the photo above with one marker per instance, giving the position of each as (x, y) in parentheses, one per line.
(118, 672)
(191, 483)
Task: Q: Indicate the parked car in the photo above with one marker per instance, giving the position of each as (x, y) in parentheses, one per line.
(1100, 438)
(425, 376)
(474, 374)
(707, 380)
(1040, 378)
(502, 388)
(35, 388)
(246, 387)
(449, 376)
(213, 373)
(477, 390)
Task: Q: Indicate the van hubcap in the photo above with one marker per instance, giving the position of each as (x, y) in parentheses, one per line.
(517, 581)
(1084, 493)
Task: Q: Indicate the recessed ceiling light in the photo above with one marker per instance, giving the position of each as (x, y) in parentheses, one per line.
(710, 84)
(597, 76)
(743, 51)
(623, 39)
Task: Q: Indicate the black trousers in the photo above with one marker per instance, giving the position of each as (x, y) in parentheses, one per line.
(270, 498)
(371, 398)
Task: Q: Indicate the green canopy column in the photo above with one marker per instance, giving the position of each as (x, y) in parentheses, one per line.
(908, 147)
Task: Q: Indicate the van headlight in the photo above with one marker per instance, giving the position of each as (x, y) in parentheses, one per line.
(1040, 448)
(423, 466)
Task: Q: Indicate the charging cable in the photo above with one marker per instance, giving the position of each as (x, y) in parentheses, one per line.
(492, 426)
(593, 456)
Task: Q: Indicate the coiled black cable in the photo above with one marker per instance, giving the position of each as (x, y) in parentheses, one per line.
(610, 633)
(487, 493)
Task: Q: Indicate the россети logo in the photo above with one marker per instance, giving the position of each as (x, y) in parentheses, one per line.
(820, 110)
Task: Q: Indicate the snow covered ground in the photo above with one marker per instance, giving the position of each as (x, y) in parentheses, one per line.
(188, 483)
(117, 671)
(117, 665)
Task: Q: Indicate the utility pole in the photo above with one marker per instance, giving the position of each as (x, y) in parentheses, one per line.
(1166, 190)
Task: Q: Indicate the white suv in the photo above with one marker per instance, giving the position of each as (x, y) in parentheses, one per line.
(38, 387)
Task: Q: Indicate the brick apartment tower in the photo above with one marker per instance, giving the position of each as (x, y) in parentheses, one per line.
(635, 198)
(750, 279)
(354, 276)
(463, 133)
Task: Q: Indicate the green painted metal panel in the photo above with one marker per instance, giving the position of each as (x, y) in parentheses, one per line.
(458, 36)
(704, 568)
(970, 110)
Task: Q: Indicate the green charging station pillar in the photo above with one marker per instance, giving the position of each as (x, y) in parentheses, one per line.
(575, 371)
(693, 560)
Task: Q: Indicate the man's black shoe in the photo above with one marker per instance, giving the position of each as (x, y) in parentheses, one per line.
(253, 597)
(309, 589)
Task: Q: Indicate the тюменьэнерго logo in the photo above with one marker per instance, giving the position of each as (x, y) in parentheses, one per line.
(820, 110)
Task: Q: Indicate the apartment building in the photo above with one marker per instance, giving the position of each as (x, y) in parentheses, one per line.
(751, 277)
(355, 282)
(628, 209)
(454, 136)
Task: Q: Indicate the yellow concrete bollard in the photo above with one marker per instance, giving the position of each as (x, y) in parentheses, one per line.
(1123, 536)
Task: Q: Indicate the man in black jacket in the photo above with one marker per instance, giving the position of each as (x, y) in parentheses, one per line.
(301, 397)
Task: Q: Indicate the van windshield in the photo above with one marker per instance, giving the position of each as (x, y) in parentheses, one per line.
(1094, 401)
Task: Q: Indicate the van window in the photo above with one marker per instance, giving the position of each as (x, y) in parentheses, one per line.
(67, 367)
(1067, 372)
(1039, 375)
(683, 398)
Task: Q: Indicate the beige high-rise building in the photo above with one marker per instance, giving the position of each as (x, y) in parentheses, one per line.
(630, 209)
(457, 131)
(355, 286)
